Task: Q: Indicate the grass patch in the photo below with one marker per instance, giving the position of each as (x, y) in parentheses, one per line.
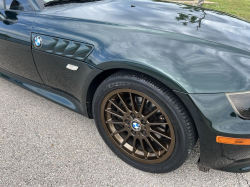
(240, 8)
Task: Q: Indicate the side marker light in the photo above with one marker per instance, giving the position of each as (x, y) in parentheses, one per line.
(233, 141)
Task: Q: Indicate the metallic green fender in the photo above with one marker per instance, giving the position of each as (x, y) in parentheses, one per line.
(207, 59)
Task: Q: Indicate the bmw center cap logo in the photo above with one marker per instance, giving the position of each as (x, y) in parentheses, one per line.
(38, 41)
(136, 126)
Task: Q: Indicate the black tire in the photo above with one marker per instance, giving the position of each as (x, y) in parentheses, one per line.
(183, 126)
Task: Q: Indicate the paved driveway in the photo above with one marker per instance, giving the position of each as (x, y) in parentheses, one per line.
(44, 144)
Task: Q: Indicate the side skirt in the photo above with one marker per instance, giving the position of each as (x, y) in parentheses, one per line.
(54, 95)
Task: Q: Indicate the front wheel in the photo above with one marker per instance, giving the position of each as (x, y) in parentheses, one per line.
(143, 122)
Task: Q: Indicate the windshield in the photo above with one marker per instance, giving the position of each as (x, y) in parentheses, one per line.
(57, 2)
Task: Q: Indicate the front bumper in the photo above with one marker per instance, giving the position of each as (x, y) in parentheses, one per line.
(214, 116)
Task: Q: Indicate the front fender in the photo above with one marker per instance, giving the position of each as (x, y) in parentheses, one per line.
(148, 70)
(194, 65)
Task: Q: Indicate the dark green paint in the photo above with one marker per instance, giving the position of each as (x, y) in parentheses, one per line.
(46, 92)
(214, 116)
(53, 71)
(194, 50)
(15, 51)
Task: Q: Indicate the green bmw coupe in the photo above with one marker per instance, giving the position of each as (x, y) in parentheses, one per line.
(154, 76)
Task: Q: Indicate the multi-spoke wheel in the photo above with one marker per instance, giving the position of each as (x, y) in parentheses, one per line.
(137, 125)
(143, 122)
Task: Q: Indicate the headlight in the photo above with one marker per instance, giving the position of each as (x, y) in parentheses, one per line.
(240, 103)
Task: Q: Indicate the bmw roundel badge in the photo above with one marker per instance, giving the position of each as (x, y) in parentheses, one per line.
(38, 41)
(136, 126)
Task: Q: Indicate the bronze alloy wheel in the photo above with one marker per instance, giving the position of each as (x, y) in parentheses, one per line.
(137, 126)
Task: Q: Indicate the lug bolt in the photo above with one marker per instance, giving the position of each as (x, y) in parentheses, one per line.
(133, 132)
(143, 122)
(144, 133)
(126, 121)
(162, 118)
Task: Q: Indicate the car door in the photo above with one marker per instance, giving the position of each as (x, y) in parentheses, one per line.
(16, 20)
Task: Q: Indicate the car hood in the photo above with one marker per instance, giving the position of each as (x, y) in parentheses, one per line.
(201, 23)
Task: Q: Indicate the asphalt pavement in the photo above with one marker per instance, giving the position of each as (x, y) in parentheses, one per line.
(44, 144)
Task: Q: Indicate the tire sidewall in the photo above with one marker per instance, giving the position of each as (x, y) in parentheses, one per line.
(179, 153)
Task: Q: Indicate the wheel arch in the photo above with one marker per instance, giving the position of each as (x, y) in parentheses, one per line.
(111, 68)
(98, 79)
(184, 98)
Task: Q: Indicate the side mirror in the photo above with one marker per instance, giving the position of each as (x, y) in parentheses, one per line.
(9, 18)
(2, 17)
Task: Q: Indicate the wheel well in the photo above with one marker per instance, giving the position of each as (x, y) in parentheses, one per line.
(101, 77)
(93, 87)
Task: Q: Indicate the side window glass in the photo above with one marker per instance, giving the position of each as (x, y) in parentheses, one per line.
(21, 5)
(1, 4)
